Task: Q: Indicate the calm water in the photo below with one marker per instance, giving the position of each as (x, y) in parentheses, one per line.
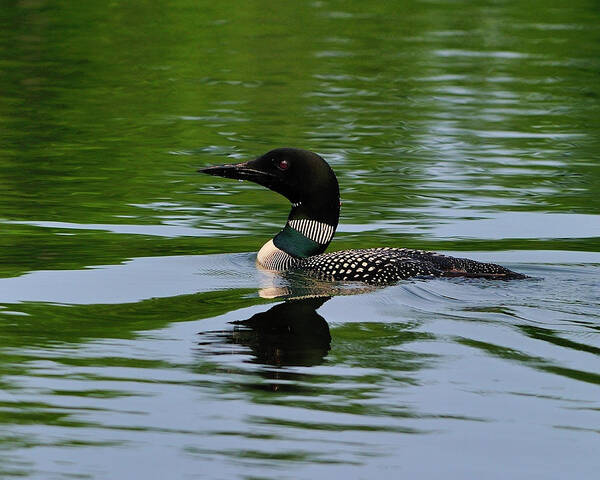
(471, 128)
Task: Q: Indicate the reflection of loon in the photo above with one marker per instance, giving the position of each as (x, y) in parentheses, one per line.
(289, 333)
(309, 183)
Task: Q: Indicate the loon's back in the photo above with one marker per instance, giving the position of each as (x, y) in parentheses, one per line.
(385, 265)
(311, 186)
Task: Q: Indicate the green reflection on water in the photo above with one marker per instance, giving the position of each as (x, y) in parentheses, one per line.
(43, 324)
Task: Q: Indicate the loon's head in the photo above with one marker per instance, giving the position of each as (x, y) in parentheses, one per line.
(303, 177)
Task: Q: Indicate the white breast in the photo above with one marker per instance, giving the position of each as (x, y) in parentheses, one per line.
(272, 258)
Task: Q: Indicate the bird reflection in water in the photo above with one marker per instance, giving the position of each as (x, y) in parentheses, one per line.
(291, 333)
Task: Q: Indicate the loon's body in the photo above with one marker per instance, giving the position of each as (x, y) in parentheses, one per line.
(309, 183)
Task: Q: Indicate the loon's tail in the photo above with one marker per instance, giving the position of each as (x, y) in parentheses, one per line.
(505, 275)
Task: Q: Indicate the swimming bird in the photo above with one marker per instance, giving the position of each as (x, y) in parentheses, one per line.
(309, 183)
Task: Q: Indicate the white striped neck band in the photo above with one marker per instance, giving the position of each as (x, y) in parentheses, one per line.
(319, 232)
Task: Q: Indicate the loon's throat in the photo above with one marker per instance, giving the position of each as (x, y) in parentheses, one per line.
(303, 238)
(296, 244)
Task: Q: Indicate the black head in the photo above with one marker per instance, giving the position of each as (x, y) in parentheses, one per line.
(303, 177)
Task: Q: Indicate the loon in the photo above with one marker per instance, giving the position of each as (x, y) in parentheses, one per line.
(308, 182)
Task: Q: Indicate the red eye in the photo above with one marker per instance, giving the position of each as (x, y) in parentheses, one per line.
(283, 165)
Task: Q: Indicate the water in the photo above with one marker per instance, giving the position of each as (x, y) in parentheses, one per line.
(139, 340)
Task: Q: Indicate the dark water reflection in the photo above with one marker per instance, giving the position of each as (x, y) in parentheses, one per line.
(290, 333)
(466, 127)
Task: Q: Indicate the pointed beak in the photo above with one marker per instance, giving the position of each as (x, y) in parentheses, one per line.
(240, 171)
(227, 171)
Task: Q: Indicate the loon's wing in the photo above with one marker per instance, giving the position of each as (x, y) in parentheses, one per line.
(372, 265)
(461, 267)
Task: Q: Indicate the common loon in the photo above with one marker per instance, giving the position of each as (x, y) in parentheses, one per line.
(309, 183)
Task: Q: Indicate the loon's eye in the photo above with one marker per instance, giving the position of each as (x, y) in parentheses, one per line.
(283, 165)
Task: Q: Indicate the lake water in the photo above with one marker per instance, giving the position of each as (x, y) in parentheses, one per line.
(470, 128)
